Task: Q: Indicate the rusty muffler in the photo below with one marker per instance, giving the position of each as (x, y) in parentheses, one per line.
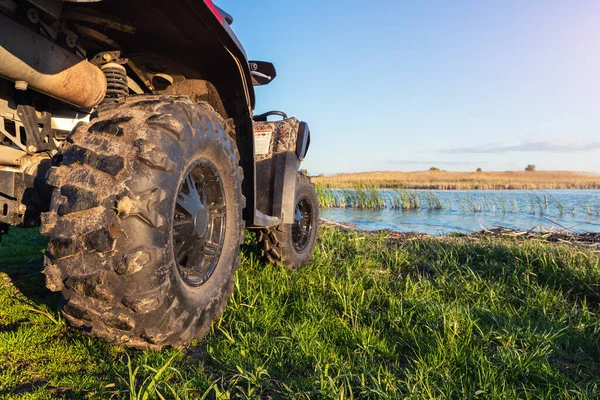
(47, 67)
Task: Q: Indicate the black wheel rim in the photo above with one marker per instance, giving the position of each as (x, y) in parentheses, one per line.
(199, 223)
(302, 227)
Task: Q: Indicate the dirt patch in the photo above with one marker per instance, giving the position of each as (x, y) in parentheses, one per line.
(586, 239)
(392, 234)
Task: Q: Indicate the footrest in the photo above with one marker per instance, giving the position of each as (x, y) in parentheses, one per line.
(265, 220)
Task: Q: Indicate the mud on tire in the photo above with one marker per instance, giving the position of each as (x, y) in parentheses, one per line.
(285, 244)
(111, 219)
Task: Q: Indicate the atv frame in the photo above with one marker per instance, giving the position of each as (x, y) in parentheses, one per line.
(180, 47)
(127, 134)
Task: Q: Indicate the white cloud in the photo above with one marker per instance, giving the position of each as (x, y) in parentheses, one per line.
(545, 146)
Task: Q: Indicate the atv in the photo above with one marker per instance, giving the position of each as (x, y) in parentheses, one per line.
(127, 134)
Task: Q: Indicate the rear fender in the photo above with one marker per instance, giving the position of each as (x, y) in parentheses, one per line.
(279, 147)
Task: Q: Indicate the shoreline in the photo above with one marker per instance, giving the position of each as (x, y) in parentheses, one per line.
(590, 240)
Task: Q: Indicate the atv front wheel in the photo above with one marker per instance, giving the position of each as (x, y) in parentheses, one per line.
(145, 222)
(293, 244)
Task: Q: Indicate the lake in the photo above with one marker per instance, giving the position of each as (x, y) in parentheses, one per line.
(439, 212)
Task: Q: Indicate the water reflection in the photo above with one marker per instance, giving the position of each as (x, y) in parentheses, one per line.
(468, 211)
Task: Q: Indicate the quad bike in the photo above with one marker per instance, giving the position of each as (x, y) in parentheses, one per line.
(127, 134)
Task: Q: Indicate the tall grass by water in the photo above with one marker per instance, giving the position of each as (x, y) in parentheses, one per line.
(473, 202)
(446, 180)
(369, 318)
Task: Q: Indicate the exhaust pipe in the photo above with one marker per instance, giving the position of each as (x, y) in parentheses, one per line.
(48, 68)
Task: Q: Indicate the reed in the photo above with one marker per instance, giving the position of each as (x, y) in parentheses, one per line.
(445, 180)
(370, 198)
(374, 199)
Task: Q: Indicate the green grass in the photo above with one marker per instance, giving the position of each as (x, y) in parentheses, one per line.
(370, 317)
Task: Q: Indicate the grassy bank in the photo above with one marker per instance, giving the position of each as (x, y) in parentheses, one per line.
(444, 180)
(370, 317)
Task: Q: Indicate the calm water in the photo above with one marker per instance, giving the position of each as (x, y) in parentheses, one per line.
(469, 211)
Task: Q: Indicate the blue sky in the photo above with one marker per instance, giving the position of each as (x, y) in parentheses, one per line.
(406, 85)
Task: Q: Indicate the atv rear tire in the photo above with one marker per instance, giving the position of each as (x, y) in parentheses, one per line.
(293, 244)
(123, 202)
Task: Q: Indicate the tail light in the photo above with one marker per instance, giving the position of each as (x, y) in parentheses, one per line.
(214, 10)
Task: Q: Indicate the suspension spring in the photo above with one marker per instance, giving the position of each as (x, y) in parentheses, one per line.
(116, 80)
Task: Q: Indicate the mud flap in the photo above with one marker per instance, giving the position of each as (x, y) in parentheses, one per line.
(12, 188)
(284, 195)
(277, 166)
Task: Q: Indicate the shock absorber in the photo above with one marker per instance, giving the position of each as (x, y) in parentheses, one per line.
(116, 80)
